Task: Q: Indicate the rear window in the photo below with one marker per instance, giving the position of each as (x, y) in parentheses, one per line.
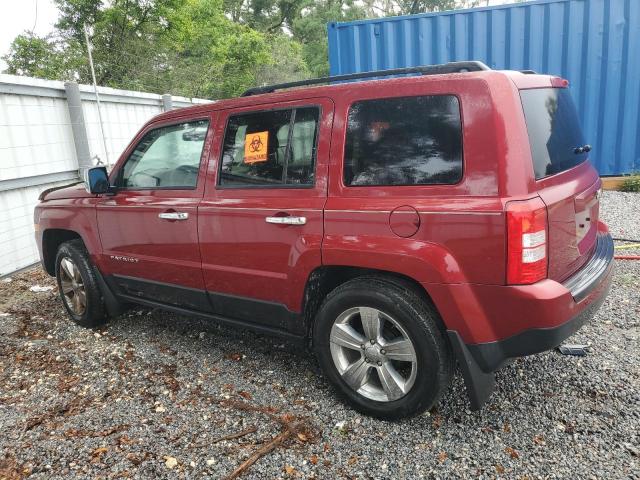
(554, 130)
(404, 141)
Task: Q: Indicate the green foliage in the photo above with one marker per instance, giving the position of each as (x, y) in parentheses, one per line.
(40, 57)
(311, 30)
(286, 62)
(410, 7)
(203, 48)
(631, 183)
(209, 55)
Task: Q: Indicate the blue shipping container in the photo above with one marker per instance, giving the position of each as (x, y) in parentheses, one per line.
(593, 43)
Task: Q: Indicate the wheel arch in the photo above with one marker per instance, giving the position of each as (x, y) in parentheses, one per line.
(323, 280)
(52, 238)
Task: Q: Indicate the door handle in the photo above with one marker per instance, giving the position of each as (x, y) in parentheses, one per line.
(173, 215)
(287, 220)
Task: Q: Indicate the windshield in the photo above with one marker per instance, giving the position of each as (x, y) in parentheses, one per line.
(554, 130)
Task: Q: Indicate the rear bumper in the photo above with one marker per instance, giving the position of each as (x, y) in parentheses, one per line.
(588, 289)
(564, 308)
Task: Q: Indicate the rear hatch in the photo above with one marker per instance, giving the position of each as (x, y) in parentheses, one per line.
(566, 182)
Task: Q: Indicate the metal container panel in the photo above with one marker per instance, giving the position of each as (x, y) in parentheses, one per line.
(595, 44)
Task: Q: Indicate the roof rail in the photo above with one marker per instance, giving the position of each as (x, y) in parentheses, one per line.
(451, 67)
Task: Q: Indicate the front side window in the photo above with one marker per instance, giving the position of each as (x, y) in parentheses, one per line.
(270, 148)
(166, 157)
(404, 141)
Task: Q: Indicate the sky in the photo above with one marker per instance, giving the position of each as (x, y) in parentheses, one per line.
(40, 16)
(20, 15)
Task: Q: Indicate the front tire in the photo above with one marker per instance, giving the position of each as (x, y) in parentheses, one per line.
(379, 343)
(78, 286)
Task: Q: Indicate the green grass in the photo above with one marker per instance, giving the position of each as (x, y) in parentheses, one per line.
(631, 183)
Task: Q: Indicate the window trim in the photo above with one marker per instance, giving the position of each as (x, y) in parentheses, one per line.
(405, 185)
(293, 108)
(179, 121)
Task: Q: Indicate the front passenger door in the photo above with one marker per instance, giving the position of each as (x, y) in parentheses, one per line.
(149, 228)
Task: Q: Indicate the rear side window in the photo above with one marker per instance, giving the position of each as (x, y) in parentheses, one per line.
(404, 141)
(270, 148)
(554, 130)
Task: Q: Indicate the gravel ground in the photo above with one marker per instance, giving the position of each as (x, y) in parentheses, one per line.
(153, 395)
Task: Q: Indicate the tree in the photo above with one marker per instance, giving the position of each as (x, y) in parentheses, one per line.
(310, 29)
(39, 57)
(306, 20)
(387, 8)
(286, 62)
(210, 55)
(206, 48)
(125, 35)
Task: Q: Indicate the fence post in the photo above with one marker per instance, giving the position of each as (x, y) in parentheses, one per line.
(78, 126)
(167, 102)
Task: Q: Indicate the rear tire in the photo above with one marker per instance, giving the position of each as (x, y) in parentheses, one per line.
(407, 366)
(78, 286)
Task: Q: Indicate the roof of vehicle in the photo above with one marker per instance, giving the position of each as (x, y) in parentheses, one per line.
(521, 81)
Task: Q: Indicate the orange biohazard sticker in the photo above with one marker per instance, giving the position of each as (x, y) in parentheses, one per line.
(255, 147)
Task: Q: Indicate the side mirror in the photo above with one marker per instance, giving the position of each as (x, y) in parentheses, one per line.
(96, 180)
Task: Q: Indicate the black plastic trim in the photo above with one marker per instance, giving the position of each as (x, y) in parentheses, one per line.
(263, 312)
(165, 293)
(451, 67)
(480, 385)
(46, 192)
(263, 315)
(297, 339)
(112, 304)
(588, 277)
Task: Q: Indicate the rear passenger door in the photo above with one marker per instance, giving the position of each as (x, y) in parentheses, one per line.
(149, 229)
(261, 219)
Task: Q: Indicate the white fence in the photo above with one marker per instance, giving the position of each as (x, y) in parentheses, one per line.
(38, 149)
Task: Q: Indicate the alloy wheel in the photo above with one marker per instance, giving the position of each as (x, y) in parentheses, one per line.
(73, 290)
(373, 354)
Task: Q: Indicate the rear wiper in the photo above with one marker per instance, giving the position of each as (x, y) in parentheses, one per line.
(583, 149)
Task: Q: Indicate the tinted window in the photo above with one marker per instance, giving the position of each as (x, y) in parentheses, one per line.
(270, 148)
(554, 130)
(167, 157)
(404, 141)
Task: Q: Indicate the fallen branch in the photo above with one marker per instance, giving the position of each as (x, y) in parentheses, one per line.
(233, 436)
(293, 427)
(261, 452)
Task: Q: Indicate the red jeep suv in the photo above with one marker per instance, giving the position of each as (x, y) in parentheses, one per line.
(397, 224)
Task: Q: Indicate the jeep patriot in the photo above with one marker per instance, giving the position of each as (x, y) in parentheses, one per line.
(396, 224)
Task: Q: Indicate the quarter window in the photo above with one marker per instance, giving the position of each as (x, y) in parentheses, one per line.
(271, 148)
(166, 157)
(404, 141)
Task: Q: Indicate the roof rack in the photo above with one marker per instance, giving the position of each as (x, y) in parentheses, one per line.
(451, 67)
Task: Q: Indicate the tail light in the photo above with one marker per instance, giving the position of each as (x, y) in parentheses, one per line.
(527, 255)
(559, 82)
